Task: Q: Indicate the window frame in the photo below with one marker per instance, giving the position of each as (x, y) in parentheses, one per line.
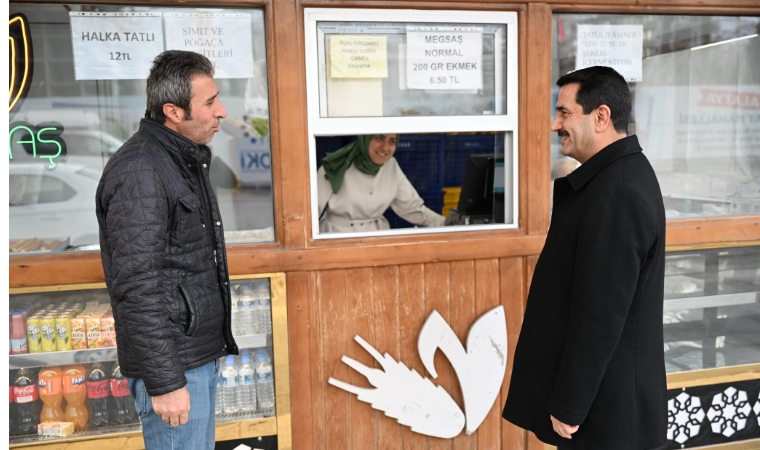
(337, 126)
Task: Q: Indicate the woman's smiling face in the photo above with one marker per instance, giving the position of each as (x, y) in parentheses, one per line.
(382, 147)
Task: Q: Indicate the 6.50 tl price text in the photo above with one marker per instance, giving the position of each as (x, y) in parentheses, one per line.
(444, 80)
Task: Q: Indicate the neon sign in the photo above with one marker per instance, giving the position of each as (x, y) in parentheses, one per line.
(21, 60)
(42, 141)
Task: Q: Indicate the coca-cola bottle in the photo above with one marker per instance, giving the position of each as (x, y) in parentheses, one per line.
(98, 391)
(124, 405)
(12, 412)
(27, 401)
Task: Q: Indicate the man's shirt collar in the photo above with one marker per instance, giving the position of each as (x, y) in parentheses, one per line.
(622, 147)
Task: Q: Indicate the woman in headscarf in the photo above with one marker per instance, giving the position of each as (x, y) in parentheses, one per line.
(358, 182)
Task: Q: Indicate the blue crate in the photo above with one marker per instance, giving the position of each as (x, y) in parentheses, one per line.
(420, 157)
(433, 200)
(458, 151)
(328, 144)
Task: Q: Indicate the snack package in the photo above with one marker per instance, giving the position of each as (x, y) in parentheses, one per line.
(57, 429)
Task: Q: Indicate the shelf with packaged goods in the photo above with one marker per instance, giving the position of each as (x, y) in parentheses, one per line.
(107, 354)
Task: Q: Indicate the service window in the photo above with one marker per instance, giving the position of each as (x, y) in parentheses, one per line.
(412, 121)
(695, 82)
(78, 79)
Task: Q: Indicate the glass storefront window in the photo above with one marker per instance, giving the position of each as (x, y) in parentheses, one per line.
(712, 308)
(443, 84)
(80, 94)
(696, 106)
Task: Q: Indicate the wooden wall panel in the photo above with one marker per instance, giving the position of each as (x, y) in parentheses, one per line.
(360, 321)
(412, 315)
(487, 296)
(463, 314)
(437, 298)
(299, 305)
(511, 273)
(387, 306)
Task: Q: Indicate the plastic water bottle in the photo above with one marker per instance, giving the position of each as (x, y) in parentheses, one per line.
(234, 297)
(230, 385)
(219, 403)
(246, 311)
(247, 389)
(264, 383)
(264, 308)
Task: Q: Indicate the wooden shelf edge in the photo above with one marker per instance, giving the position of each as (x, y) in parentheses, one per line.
(713, 376)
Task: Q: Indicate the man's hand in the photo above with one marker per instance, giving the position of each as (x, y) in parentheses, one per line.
(173, 407)
(563, 430)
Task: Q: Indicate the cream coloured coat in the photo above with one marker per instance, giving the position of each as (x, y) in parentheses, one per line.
(362, 199)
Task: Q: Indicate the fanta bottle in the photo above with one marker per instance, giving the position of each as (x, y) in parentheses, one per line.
(50, 381)
(75, 391)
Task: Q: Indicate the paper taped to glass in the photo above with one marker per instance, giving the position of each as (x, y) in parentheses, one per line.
(358, 56)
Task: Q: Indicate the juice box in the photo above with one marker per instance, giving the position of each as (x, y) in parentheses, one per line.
(78, 333)
(34, 334)
(94, 334)
(47, 326)
(63, 327)
(108, 331)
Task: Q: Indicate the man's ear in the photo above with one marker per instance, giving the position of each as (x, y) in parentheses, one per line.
(602, 118)
(173, 113)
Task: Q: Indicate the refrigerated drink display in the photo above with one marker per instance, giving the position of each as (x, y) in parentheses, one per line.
(123, 403)
(98, 393)
(75, 393)
(70, 373)
(51, 393)
(27, 401)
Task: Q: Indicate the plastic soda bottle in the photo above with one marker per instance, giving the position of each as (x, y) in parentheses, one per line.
(27, 400)
(98, 391)
(50, 382)
(124, 404)
(75, 393)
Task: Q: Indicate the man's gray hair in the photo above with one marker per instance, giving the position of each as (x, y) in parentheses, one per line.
(170, 81)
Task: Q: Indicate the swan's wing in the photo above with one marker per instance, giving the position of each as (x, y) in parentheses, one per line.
(406, 396)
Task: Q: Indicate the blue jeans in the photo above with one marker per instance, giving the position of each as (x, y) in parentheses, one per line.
(199, 432)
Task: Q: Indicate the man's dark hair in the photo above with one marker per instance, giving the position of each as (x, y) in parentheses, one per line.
(170, 81)
(599, 85)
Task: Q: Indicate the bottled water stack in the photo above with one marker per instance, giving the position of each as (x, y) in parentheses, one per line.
(264, 308)
(234, 298)
(219, 403)
(230, 392)
(247, 313)
(264, 382)
(247, 388)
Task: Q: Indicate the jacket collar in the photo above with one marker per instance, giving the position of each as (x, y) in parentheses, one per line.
(175, 143)
(622, 147)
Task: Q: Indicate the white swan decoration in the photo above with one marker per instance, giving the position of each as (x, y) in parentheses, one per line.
(415, 401)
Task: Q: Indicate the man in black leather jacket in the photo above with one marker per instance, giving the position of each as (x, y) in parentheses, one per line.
(163, 254)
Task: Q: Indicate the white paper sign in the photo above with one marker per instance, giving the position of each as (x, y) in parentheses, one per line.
(224, 38)
(616, 46)
(444, 57)
(115, 46)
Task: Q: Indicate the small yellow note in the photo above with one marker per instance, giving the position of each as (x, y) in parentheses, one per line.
(358, 56)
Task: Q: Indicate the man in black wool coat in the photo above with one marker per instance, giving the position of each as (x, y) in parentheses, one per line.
(589, 370)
